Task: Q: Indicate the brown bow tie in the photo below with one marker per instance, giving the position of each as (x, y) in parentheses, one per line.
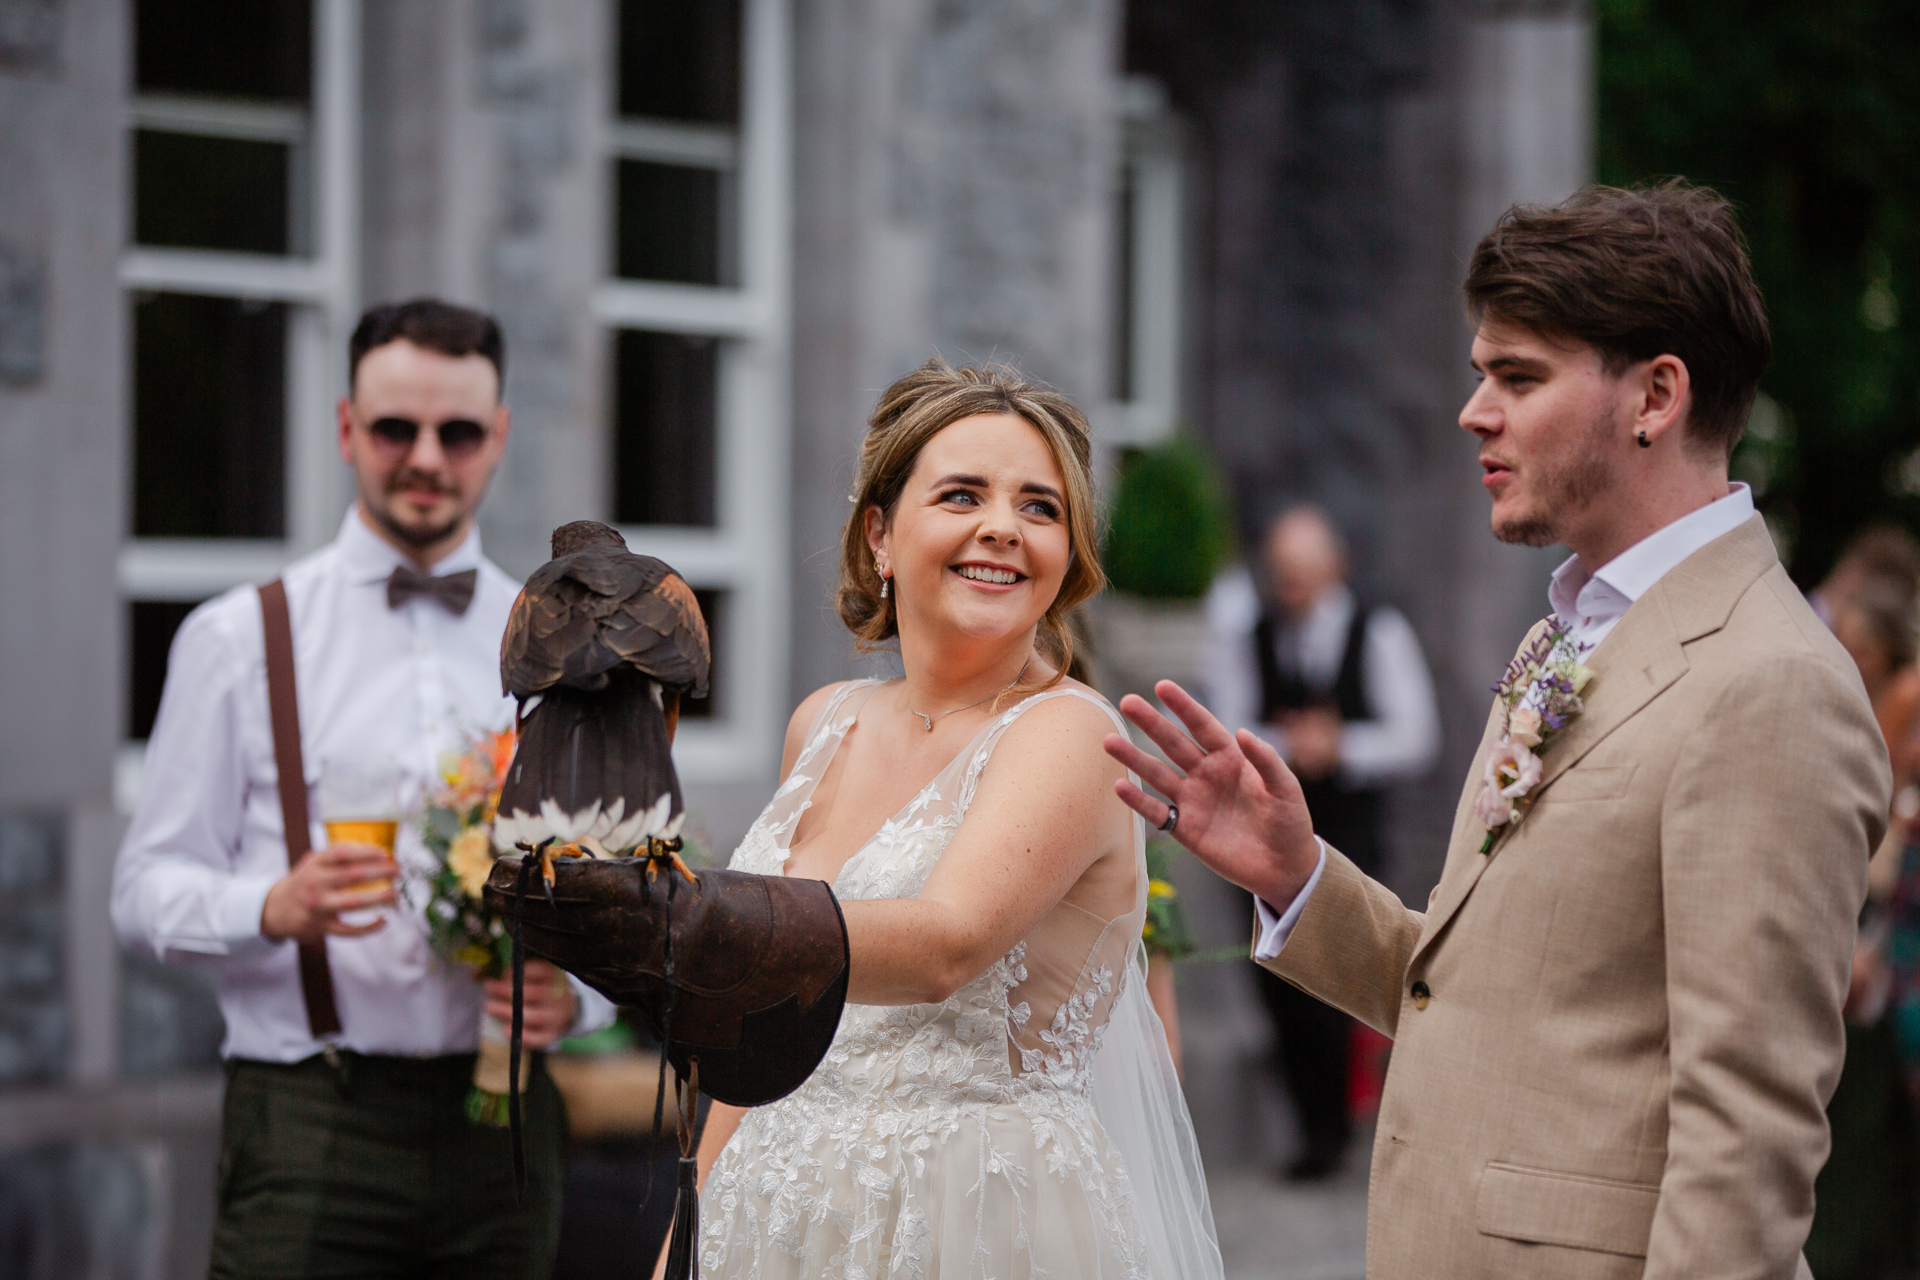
(454, 591)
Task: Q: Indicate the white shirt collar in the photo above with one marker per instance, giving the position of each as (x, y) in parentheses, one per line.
(369, 558)
(1591, 603)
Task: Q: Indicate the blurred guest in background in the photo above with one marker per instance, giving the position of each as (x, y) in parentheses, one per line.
(1885, 553)
(1863, 1224)
(1339, 686)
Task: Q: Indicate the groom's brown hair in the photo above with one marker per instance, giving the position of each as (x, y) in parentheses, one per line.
(1635, 274)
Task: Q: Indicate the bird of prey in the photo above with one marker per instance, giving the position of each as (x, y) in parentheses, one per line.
(601, 646)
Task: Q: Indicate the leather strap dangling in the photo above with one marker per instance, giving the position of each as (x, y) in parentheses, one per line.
(513, 1040)
(683, 1262)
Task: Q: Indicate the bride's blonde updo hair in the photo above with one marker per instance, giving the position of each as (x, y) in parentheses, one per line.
(913, 411)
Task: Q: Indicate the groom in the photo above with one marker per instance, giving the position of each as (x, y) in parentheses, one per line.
(1617, 1025)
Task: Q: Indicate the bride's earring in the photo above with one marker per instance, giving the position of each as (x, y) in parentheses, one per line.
(885, 582)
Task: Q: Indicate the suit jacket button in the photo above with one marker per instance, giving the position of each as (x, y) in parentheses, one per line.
(1421, 994)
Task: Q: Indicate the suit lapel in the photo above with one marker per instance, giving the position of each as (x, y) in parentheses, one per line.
(1640, 658)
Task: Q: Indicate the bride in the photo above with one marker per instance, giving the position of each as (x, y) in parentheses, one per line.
(999, 1100)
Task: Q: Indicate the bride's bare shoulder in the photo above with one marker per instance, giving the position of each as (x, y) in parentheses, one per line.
(1064, 730)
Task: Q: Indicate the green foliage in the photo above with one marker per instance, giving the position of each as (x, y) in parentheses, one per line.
(1808, 117)
(1165, 929)
(1168, 532)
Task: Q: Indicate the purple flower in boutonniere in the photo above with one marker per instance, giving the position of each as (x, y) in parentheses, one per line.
(1541, 693)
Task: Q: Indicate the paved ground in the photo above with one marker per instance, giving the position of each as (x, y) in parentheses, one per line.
(1270, 1230)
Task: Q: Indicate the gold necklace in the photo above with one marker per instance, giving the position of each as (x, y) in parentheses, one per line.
(971, 705)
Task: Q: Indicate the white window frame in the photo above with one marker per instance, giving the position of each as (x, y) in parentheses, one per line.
(1150, 150)
(745, 554)
(320, 287)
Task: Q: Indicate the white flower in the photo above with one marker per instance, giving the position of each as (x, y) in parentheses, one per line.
(1511, 771)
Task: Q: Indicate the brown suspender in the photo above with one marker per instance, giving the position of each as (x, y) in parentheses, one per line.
(283, 707)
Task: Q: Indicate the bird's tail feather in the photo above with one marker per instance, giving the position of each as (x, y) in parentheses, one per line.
(592, 764)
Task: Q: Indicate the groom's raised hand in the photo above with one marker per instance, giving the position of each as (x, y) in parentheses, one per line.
(1241, 811)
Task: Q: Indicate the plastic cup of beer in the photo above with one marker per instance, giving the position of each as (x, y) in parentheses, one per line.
(359, 803)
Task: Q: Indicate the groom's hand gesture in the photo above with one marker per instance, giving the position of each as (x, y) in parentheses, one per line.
(1240, 809)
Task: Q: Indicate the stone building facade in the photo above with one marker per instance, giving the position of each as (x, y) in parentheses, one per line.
(713, 234)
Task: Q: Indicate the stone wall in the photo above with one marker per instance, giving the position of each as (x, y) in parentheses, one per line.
(953, 181)
(62, 425)
(34, 1030)
(483, 183)
(87, 1183)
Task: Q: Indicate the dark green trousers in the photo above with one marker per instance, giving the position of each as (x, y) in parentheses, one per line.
(372, 1169)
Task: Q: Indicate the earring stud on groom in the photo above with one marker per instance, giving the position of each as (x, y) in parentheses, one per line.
(1617, 1025)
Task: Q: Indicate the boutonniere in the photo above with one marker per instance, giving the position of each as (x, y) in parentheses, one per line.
(1541, 693)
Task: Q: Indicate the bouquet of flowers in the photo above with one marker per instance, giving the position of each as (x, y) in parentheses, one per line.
(457, 828)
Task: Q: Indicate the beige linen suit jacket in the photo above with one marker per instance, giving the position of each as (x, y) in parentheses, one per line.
(1615, 1036)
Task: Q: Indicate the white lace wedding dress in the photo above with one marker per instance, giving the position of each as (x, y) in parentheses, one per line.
(1029, 1126)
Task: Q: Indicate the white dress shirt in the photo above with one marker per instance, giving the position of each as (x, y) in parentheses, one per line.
(207, 843)
(1402, 739)
(1589, 604)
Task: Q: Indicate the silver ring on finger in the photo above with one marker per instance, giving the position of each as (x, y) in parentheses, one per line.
(1173, 816)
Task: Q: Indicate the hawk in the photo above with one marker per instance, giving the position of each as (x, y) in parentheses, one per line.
(600, 648)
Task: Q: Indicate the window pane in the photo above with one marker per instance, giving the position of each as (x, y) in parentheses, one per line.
(233, 48)
(680, 60)
(713, 604)
(150, 628)
(665, 423)
(209, 417)
(196, 192)
(667, 222)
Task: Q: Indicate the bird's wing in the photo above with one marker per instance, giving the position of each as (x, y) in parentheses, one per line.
(582, 615)
(661, 631)
(551, 629)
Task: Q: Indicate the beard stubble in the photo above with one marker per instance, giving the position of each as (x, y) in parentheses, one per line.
(417, 536)
(1563, 487)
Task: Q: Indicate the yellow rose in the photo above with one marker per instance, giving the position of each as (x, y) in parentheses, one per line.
(1524, 727)
(471, 858)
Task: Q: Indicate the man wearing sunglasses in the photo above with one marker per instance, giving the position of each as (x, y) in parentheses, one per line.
(346, 1146)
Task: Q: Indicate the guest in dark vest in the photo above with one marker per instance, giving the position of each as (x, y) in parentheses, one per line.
(1339, 686)
(346, 1149)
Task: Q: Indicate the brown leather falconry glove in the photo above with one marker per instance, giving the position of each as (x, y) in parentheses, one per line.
(759, 962)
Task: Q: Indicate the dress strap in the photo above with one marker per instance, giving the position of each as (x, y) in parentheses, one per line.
(795, 794)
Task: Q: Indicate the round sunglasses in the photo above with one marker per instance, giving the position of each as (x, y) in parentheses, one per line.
(459, 437)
